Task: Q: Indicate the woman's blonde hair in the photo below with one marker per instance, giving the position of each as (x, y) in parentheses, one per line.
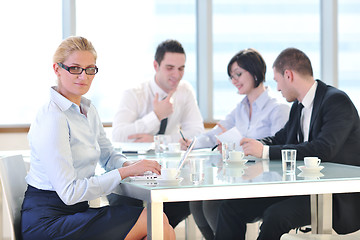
(70, 45)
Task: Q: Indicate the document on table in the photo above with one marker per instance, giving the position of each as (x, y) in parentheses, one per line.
(231, 135)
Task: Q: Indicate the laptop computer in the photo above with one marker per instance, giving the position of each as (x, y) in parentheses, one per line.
(152, 176)
(186, 154)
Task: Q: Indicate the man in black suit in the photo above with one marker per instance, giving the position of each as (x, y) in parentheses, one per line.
(326, 126)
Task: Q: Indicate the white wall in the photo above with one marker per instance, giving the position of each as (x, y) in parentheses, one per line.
(13, 141)
(18, 141)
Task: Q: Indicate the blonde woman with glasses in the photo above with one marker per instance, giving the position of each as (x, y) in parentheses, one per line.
(67, 141)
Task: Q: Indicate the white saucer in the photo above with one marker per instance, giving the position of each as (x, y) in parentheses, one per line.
(236, 162)
(169, 182)
(310, 169)
(316, 175)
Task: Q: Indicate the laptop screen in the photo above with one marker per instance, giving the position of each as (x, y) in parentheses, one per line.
(186, 154)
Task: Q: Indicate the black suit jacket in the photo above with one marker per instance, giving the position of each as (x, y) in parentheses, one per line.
(334, 136)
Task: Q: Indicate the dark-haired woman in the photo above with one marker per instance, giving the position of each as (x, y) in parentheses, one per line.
(258, 115)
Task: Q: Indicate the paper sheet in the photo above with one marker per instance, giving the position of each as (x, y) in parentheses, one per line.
(231, 135)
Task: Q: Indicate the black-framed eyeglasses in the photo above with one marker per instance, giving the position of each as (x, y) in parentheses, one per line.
(236, 76)
(78, 70)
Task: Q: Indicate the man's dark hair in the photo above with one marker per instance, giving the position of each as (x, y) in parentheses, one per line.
(250, 60)
(295, 60)
(169, 45)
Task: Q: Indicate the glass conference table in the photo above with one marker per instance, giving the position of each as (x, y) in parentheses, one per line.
(257, 178)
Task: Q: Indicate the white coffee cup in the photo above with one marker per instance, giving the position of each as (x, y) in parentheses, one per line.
(312, 161)
(236, 155)
(174, 147)
(169, 173)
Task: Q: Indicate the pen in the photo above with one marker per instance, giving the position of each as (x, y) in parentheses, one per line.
(130, 152)
(214, 147)
(182, 136)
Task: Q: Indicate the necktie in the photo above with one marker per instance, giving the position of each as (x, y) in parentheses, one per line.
(300, 133)
(163, 124)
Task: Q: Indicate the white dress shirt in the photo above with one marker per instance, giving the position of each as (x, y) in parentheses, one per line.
(135, 113)
(308, 103)
(66, 146)
(305, 117)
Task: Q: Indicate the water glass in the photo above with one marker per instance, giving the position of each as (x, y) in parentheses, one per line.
(288, 160)
(226, 148)
(197, 170)
(160, 144)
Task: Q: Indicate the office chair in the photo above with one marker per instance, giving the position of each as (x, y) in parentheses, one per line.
(12, 176)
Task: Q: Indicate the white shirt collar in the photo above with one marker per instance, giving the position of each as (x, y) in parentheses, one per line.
(310, 95)
(156, 89)
(64, 103)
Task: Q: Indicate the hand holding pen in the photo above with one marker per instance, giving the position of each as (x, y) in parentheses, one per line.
(184, 143)
(218, 144)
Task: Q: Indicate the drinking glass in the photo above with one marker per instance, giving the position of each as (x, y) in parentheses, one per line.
(226, 148)
(197, 170)
(288, 160)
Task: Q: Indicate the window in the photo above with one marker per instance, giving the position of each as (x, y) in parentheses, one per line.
(30, 32)
(125, 35)
(269, 27)
(349, 48)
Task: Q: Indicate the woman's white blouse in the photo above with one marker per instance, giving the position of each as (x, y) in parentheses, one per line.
(66, 147)
(268, 116)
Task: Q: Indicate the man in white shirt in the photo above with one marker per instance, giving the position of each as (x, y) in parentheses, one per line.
(165, 98)
(160, 106)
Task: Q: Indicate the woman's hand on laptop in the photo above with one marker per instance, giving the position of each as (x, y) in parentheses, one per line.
(139, 168)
